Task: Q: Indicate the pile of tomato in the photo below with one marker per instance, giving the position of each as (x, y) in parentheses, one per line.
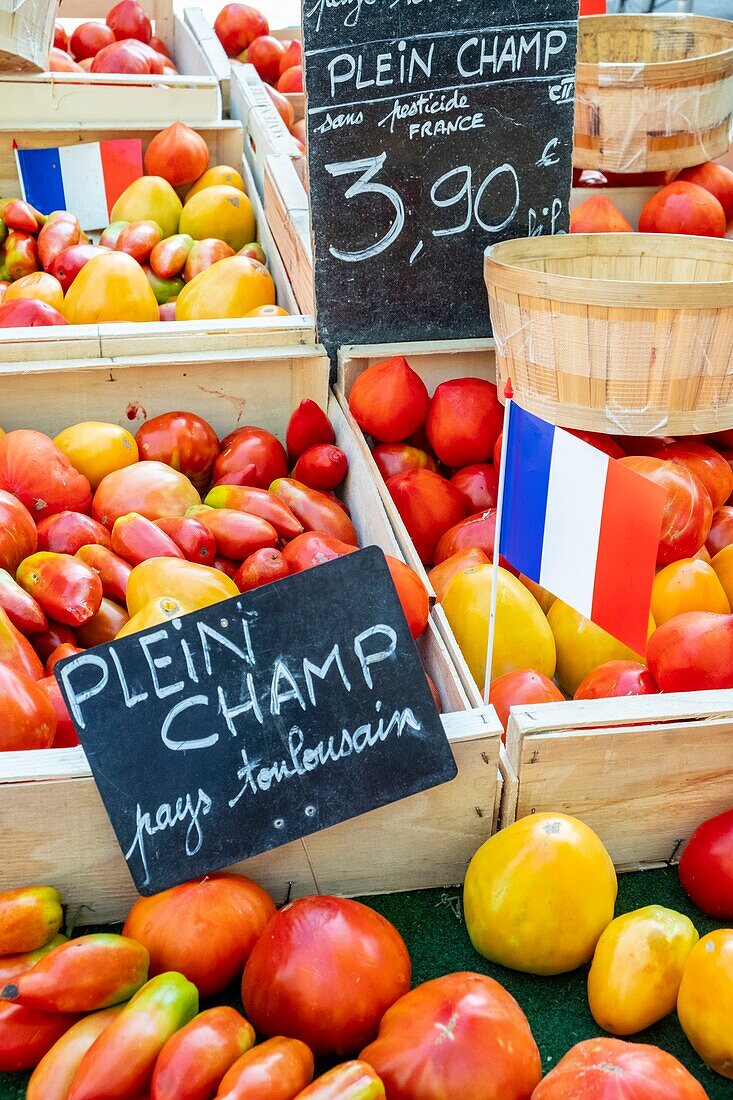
(440, 456)
(327, 980)
(103, 534)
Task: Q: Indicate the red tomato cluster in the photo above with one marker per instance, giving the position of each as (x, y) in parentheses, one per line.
(125, 43)
(103, 534)
(699, 201)
(245, 34)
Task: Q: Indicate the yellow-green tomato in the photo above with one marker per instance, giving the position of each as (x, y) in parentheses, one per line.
(538, 895)
(637, 968)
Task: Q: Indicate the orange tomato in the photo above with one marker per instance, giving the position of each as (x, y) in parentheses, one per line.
(193, 586)
(268, 311)
(520, 688)
(154, 613)
(687, 585)
(705, 1002)
(683, 207)
(723, 566)
(278, 1069)
(617, 678)
(598, 215)
(609, 1069)
(39, 285)
(95, 449)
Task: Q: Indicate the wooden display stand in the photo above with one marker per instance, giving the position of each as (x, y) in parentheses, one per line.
(265, 132)
(286, 209)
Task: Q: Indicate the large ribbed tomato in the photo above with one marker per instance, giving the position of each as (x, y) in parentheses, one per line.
(428, 505)
(609, 1069)
(460, 1037)
(18, 535)
(688, 513)
(325, 971)
(34, 469)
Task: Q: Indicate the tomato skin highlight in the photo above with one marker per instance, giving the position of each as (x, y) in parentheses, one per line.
(277, 1069)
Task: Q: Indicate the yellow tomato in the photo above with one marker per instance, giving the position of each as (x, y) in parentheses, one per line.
(153, 614)
(193, 586)
(215, 177)
(232, 287)
(583, 646)
(687, 585)
(222, 212)
(95, 449)
(637, 968)
(705, 1002)
(544, 598)
(39, 285)
(723, 566)
(539, 894)
(523, 638)
(268, 311)
(110, 287)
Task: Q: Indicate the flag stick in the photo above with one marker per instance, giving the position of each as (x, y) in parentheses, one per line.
(508, 395)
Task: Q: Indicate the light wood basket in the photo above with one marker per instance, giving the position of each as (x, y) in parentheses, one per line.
(616, 332)
(653, 92)
(26, 34)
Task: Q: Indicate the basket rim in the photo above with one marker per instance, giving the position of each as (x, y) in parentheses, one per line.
(590, 290)
(587, 69)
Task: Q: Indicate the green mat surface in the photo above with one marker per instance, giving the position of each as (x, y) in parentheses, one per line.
(557, 1008)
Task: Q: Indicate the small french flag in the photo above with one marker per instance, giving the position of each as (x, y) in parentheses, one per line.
(84, 179)
(582, 525)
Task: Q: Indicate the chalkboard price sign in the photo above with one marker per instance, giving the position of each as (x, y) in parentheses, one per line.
(257, 721)
(435, 128)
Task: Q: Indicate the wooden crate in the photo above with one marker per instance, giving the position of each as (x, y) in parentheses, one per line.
(38, 100)
(265, 132)
(643, 772)
(53, 827)
(286, 208)
(220, 64)
(111, 340)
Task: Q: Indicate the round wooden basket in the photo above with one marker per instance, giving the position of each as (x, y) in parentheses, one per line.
(653, 92)
(627, 333)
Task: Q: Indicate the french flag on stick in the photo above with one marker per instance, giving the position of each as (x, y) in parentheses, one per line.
(580, 524)
(85, 179)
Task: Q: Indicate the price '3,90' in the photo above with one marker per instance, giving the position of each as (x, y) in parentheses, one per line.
(454, 188)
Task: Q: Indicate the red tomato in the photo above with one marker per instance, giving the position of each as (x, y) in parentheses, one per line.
(65, 736)
(707, 464)
(522, 688)
(112, 570)
(67, 532)
(313, 548)
(62, 62)
(688, 513)
(193, 539)
(460, 1036)
(237, 25)
(683, 208)
(60, 653)
(89, 38)
(609, 1069)
(128, 20)
(291, 81)
(60, 38)
(204, 929)
(224, 565)
(262, 567)
(476, 532)
(413, 595)
(617, 678)
(325, 971)
(257, 502)
(50, 639)
(193, 1062)
(601, 442)
(389, 401)
(441, 575)
(136, 539)
(322, 467)
(18, 534)
(252, 446)
(71, 260)
(104, 626)
(715, 178)
(265, 53)
(150, 488)
(23, 611)
(285, 109)
(26, 1035)
(721, 531)
(293, 56)
(182, 440)
(16, 651)
(277, 1069)
(307, 426)
(68, 591)
(314, 510)
(706, 867)
(350, 1081)
(126, 56)
(429, 506)
(41, 476)
(29, 722)
(396, 458)
(236, 534)
(693, 652)
(464, 421)
(479, 484)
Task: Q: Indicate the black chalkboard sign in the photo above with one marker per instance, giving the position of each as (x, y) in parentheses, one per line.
(236, 729)
(435, 128)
